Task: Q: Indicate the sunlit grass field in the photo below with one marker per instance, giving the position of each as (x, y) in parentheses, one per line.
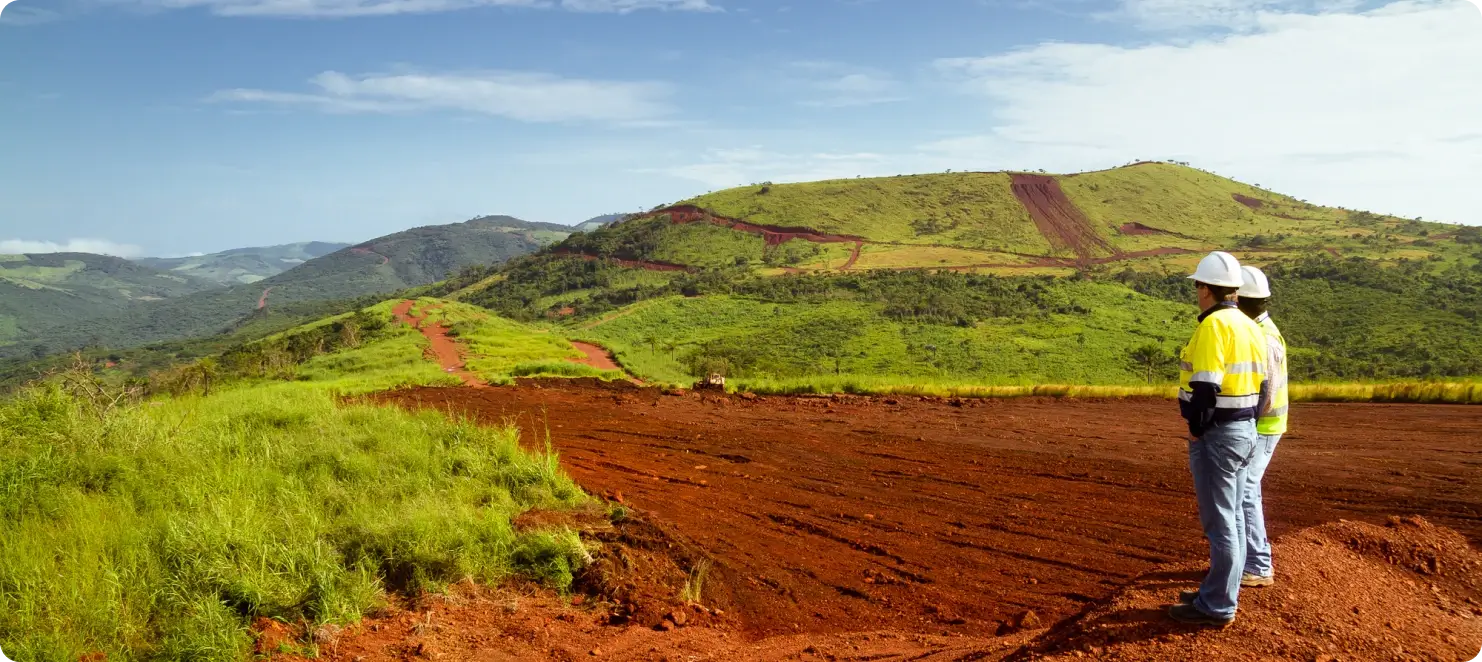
(161, 530)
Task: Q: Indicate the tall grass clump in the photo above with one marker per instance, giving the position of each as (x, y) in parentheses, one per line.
(161, 530)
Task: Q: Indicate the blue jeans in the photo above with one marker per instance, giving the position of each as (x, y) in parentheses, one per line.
(1220, 462)
(1257, 546)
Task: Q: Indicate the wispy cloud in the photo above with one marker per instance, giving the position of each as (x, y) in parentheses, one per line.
(99, 246)
(1172, 15)
(347, 8)
(523, 96)
(836, 85)
(1352, 108)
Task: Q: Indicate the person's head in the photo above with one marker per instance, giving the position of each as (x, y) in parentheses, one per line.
(1211, 295)
(1217, 279)
(1255, 290)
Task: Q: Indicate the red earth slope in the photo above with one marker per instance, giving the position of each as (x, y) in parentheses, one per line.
(1058, 219)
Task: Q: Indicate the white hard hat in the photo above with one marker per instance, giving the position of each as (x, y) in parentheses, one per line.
(1219, 268)
(1256, 285)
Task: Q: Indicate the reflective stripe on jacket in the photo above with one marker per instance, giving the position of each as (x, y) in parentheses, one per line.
(1226, 357)
(1273, 419)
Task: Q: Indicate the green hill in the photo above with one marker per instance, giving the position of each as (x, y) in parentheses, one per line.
(243, 265)
(411, 258)
(1147, 216)
(994, 278)
(41, 290)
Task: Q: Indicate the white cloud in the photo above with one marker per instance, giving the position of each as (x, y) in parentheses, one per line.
(523, 96)
(345, 8)
(1373, 110)
(1233, 14)
(835, 85)
(99, 246)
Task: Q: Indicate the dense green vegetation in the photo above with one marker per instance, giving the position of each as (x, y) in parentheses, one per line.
(1347, 319)
(242, 265)
(160, 530)
(416, 257)
(42, 290)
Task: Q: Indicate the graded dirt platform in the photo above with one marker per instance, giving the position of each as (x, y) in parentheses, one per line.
(940, 521)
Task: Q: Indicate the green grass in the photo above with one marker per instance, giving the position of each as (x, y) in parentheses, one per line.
(160, 531)
(846, 337)
(976, 210)
(498, 349)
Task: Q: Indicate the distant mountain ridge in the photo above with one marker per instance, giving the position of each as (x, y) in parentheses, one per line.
(598, 221)
(243, 265)
(39, 290)
(418, 256)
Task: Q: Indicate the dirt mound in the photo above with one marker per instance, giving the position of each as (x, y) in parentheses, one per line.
(1058, 219)
(1248, 201)
(1345, 591)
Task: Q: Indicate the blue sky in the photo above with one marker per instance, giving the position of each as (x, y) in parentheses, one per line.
(176, 126)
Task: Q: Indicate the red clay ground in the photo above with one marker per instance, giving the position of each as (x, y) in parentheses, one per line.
(262, 301)
(596, 357)
(1058, 219)
(848, 515)
(444, 350)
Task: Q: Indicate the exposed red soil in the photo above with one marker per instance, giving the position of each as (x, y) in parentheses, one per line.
(262, 301)
(1248, 201)
(837, 515)
(363, 250)
(1345, 591)
(442, 347)
(1058, 219)
(596, 357)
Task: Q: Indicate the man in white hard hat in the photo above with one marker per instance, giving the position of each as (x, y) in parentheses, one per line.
(1221, 377)
(1270, 425)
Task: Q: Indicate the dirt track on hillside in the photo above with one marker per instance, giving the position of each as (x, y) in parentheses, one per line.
(443, 349)
(846, 515)
(1063, 224)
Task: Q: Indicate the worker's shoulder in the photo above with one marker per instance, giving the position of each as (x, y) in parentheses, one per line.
(1231, 318)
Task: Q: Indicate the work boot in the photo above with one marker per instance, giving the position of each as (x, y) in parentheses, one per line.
(1188, 613)
(1187, 597)
(1256, 581)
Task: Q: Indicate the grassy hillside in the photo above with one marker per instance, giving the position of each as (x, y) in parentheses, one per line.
(242, 265)
(42, 290)
(415, 257)
(1148, 216)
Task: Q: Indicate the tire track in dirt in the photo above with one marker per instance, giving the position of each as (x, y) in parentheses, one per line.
(443, 348)
(851, 514)
(1058, 219)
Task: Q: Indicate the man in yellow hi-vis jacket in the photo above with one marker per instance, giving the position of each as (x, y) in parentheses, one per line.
(1270, 425)
(1221, 382)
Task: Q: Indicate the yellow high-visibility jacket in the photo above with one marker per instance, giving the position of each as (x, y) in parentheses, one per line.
(1222, 370)
(1272, 419)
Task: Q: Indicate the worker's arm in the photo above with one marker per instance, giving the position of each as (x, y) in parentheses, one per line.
(1208, 360)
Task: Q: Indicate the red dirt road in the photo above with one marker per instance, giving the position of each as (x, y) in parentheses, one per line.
(1058, 219)
(262, 301)
(856, 514)
(596, 357)
(443, 348)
